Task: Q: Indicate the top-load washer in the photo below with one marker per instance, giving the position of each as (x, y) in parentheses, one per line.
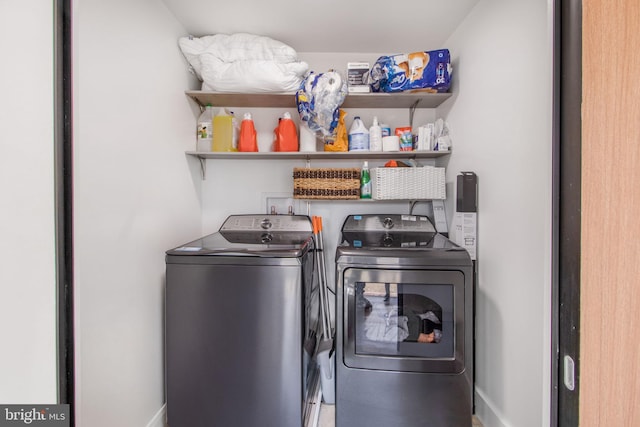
(242, 325)
(404, 352)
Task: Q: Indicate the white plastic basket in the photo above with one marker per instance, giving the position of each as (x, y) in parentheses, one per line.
(426, 182)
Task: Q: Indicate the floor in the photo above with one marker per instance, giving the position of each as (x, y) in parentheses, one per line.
(327, 414)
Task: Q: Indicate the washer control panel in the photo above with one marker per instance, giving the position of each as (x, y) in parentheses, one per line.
(271, 223)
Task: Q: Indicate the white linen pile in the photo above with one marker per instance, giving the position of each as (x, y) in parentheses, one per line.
(244, 63)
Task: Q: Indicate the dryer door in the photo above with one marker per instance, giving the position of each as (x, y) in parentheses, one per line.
(404, 320)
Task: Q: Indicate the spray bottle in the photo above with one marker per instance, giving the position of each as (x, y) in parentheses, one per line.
(375, 136)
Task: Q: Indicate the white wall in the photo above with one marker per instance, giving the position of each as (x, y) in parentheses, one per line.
(500, 120)
(241, 186)
(135, 197)
(27, 275)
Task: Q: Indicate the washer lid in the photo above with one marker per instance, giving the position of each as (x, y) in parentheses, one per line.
(254, 235)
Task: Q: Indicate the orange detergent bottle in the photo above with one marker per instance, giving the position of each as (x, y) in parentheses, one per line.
(248, 136)
(286, 135)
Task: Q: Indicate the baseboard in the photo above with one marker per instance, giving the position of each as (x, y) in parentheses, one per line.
(160, 418)
(487, 413)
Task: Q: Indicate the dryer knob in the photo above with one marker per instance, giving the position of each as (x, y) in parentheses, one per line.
(387, 223)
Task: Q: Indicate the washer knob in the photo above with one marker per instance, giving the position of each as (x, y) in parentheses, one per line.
(266, 224)
(266, 238)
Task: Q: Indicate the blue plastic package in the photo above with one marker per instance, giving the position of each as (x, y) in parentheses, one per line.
(428, 71)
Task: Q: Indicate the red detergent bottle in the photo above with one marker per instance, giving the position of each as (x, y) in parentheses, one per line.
(248, 136)
(286, 135)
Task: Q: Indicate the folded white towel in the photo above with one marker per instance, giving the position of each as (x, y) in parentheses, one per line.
(243, 63)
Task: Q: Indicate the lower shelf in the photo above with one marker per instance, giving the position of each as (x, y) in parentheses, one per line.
(354, 155)
(365, 200)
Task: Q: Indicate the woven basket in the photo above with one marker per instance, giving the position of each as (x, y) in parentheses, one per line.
(426, 182)
(326, 183)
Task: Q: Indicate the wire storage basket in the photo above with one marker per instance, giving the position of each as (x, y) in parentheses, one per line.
(414, 183)
(326, 183)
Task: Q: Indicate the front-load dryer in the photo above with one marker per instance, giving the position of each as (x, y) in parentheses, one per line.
(404, 354)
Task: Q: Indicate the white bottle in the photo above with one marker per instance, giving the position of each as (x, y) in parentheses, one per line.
(375, 136)
(204, 130)
(307, 139)
(358, 136)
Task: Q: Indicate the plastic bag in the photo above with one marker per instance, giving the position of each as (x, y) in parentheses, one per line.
(442, 139)
(319, 99)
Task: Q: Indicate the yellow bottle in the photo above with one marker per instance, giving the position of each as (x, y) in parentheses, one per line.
(223, 132)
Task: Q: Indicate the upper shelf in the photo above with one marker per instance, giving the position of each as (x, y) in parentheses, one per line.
(352, 100)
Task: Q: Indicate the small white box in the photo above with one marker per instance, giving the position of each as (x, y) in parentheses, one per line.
(355, 76)
(360, 89)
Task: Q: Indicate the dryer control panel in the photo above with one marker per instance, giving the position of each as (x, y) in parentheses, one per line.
(394, 222)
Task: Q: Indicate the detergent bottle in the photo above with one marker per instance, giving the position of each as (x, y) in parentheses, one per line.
(223, 131)
(248, 136)
(286, 135)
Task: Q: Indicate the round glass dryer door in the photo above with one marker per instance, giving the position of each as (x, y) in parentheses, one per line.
(407, 320)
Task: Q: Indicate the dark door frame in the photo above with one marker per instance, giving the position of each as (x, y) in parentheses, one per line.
(63, 194)
(567, 124)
